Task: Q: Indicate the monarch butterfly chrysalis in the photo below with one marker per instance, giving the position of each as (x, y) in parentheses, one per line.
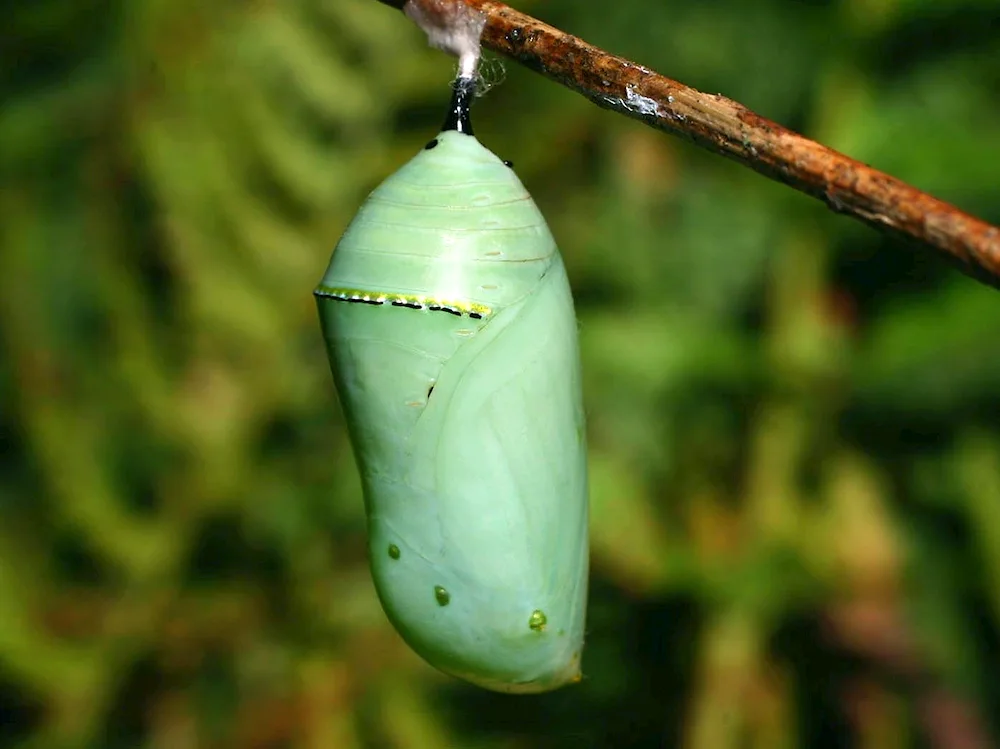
(452, 338)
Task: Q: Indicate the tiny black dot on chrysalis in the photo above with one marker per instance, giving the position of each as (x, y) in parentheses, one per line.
(429, 391)
(431, 145)
(509, 164)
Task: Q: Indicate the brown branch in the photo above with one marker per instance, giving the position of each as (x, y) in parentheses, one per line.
(727, 127)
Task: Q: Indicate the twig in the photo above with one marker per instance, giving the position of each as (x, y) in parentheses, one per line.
(727, 127)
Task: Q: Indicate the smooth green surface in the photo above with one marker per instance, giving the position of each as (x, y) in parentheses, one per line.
(482, 483)
(793, 422)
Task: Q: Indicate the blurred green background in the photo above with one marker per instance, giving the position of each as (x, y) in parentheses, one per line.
(794, 423)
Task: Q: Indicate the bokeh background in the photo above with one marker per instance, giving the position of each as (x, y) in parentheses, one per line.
(794, 422)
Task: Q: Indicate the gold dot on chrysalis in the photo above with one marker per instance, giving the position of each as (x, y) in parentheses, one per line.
(537, 620)
(442, 595)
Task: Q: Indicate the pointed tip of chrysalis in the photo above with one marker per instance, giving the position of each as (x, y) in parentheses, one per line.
(459, 116)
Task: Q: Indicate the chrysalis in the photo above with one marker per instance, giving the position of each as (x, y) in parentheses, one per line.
(452, 338)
